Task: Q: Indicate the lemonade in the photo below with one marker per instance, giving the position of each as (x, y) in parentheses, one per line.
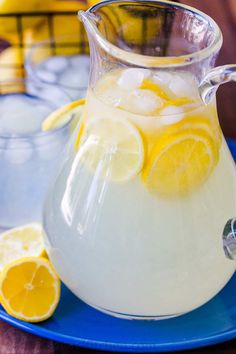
(135, 217)
(28, 156)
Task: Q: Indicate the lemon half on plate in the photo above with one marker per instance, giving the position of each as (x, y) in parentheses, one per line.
(29, 289)
(21, 242)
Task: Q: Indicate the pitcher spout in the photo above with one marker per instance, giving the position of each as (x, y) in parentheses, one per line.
(89, 21)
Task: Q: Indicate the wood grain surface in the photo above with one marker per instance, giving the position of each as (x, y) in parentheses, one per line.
(14, 341)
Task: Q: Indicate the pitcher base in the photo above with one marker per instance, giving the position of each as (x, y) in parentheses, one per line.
(135, 317)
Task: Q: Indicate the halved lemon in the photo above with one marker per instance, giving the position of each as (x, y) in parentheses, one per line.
(179, 163)
(29, 289)
(113, 148)
(63, 115)
(21, 242)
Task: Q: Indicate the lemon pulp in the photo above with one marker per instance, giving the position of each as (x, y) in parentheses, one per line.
(29, 289)
(23, 241)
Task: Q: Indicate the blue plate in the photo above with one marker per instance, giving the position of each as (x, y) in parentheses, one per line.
(78, 324)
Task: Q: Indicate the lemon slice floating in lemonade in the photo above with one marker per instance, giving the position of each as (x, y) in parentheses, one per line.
(113, 147)
(179, 163)
(21, 242)
(29, 289)
(63, 115)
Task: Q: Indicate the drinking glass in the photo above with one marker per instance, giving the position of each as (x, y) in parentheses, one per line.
(59, 68)
(28, 155)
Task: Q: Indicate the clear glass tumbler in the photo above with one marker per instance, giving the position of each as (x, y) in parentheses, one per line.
(58, 67)
(27, 154)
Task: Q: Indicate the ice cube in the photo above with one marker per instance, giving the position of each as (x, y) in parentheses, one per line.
(82, 61)
(21, 114)
(162, 77)
(50, 147)
(70, 73)
(46, 76)
(183, 86)
(171, 115)
(43, 111)
(13, 103)
(18, 152)
(57, 95)
(74, 78)
(113, 97)
(81, 66)
(132, 78)
(74, 93)
(55, 64)
(142, 102)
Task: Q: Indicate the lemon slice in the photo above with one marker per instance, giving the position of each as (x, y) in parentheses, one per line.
(20, 242)
(113, 148)
(29, 289)
(196, 122)
(63, 115)
(179, 163)
(190, 123)
(149, 85)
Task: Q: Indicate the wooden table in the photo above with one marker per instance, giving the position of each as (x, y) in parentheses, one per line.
(14, 341)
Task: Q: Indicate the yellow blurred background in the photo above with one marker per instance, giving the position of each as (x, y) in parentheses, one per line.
(23, 23)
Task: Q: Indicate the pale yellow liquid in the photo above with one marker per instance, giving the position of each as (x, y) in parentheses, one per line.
(128, 251)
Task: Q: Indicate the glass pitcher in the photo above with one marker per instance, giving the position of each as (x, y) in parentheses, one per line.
(134, 219)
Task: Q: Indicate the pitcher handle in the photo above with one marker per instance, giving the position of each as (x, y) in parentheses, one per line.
(214, 78)
(207, 89)
(229, 239)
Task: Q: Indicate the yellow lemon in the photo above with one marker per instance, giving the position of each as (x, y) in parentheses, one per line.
(9, 24)
(68, 39)
(79, 136)
(11, 66)
(139, 26)
(191, 121)
(14, 6)
(65, 5)
(68, 33)
(29, 289)
(150, 85)
(113, 148)
(21, 242)
(93, 2)
(179, 163)
(63, 115)
(34, 35)
(199, 121)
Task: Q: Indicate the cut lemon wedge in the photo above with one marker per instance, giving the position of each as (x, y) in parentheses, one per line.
(63, 115)
(179, 163)
(113, 148)
(21, 242)
(29, 289)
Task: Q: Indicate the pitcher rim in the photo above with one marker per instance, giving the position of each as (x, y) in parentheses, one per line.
(160, 61)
